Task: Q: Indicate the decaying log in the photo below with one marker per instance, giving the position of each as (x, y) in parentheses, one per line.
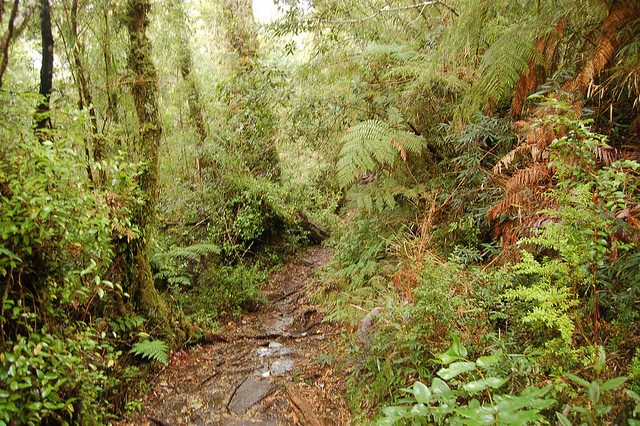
(316, 234)
(302, 408)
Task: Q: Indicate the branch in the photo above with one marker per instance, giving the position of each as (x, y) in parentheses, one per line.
(382, 11)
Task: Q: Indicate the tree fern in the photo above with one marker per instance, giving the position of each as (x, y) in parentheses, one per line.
(370, 145)
(155, 350)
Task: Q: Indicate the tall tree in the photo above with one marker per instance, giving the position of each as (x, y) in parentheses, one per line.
(241, 31)
(42, 118)
(85, 96)
(194, 99)
(251, 116)
(186, 70)
(144, 88)
(7, 40)
(111, 86)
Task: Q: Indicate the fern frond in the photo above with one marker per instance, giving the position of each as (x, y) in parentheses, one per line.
(370, 145)
(608, 44)
(531, 176)
(155, 350)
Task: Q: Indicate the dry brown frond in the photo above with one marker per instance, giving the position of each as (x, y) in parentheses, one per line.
(607, 46)
(537, 174)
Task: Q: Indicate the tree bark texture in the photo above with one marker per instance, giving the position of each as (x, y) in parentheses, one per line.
(144, 87)
(43, 119)
(7, 40)
(112, 95)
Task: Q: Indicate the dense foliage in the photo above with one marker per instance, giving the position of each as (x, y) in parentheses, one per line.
(476, 161)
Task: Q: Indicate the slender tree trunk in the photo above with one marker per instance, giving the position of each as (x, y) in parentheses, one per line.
(85, 97)
(7, 40)
(42, 117)
(112, 97)
(196, 110)
(144, 87)
(193, 93)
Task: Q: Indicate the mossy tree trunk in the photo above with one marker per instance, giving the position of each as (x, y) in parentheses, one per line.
(241, 32)
(112, 86)
(194, 98)
(144, 87)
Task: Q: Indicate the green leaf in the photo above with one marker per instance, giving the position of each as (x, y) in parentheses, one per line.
(594, 392)
(456, 369)
(439, 387)
(578, 380)
(456, 352)
(480, 385)
(488, 361)
(421, 392)
(613, 384)
(564, 421)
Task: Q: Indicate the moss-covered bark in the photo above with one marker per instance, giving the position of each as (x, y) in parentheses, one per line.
(144, 87)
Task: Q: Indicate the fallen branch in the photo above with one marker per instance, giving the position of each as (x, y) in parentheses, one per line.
(302, 408)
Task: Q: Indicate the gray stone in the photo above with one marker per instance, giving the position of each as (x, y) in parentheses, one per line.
(280, 325)
(366, 325)
(281, 367)
(275, 349)
(248, 394)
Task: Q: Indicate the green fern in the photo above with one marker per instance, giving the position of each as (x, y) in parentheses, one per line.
(371, 145)
(193, 252)
(155, 350)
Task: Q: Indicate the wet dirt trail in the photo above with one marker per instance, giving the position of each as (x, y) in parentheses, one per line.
(267, 370)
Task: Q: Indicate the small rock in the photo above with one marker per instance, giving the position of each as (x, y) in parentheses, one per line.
(280, 325)
(366, 325)
(281, 367)
(248, 394)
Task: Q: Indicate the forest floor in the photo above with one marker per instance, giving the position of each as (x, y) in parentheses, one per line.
(271, 367)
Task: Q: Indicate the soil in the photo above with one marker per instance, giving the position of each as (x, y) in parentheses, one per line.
(272, 366)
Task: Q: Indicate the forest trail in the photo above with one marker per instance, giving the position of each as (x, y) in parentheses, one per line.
(268, 369)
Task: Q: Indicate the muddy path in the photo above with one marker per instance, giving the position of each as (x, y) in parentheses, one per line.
(272, 367)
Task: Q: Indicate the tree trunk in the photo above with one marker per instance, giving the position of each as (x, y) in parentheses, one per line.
(241, 31)
(85, 97)
(6, 41)
(112, 97)
(144, 87)
(193, 93)
(42, 117)
(17, 24)
(185, 59)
